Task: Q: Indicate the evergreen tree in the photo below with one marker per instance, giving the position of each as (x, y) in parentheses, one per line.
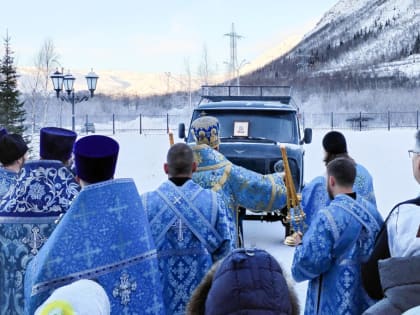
(416, 46)
(12, 112)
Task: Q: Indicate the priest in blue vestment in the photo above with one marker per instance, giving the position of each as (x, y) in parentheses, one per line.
(42, 192)
(190, 227)
(341, 236)
(315, 195)
(13, 154)
(104, 236)
(240, 186)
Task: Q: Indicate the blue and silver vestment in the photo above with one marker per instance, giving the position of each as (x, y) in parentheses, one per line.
(191, 230)
(42, 192)
(340, 237)
(240, 186)
(104, 236)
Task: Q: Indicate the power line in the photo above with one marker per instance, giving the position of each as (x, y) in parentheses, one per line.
(233, 51)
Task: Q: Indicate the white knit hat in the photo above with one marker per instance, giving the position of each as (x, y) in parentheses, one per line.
(83, 297)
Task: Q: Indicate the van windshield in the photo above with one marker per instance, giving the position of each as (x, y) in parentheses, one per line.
(279, 126)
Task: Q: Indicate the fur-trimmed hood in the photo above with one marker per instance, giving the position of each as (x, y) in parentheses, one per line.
(246, 280)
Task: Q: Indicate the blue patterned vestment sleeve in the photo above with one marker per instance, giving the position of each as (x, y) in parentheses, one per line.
(313, 257)
(104, 236)
(332, 250)
(363, 184)
(188, 240)
(241, 187)
(225, 228)
(257, 192)
(43, 191)
(314, 197)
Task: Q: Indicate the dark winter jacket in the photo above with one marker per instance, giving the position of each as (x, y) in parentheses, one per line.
(400, 279)
(247, 281)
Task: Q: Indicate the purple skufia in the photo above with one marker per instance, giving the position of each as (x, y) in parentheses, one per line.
(3, 131)
(95, 158)
(56, 143)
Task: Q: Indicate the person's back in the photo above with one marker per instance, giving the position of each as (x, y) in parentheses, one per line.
(340, 237)
(45, 186)
(104, 236)
(190, 228)
(41, 193)
(315, 195)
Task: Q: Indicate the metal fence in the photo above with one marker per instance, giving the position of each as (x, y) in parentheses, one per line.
(361, 121)
(161, 124)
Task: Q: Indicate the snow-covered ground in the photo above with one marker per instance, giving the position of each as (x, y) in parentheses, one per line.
(382, 152)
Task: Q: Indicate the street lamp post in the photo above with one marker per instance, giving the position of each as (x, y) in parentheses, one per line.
(238, 74)
(59, 80)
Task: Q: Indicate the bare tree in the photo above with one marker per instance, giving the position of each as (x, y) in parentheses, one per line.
(46, 59)
(204, 67)
(187, 65)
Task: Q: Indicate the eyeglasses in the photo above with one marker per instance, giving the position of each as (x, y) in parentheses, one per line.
(412, 153)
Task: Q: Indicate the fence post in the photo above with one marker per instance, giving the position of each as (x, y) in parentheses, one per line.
(389, 120)
(113, 124)
(140, 123)
(332, 120)
(360, 121)
(167, 123)
(417, 120)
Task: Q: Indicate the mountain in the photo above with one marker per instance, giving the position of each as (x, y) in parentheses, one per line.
(144, 84)
(363, 33)
(115, 82)
(361, 55)
(359, 46)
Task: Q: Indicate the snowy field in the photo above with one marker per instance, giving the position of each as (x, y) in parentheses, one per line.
(382, 152)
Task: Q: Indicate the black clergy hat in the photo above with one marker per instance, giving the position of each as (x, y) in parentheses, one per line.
(334, 143)
(12, 148)
(95, 158)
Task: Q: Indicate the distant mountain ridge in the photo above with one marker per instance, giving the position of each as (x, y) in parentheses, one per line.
(354, 34)
(116, 82)
(358, 45)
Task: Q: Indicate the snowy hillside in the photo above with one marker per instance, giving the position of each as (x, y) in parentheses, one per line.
(379, 31)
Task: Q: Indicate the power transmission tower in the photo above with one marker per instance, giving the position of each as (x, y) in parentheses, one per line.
(233, 51)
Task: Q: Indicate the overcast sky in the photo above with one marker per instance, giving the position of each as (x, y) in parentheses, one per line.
(151, 36)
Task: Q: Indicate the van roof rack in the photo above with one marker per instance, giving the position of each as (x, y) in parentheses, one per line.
(218, 93)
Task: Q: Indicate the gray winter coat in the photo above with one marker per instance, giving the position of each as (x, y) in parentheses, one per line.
(400, 280)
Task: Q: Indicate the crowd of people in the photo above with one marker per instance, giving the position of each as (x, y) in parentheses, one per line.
(75, 240)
